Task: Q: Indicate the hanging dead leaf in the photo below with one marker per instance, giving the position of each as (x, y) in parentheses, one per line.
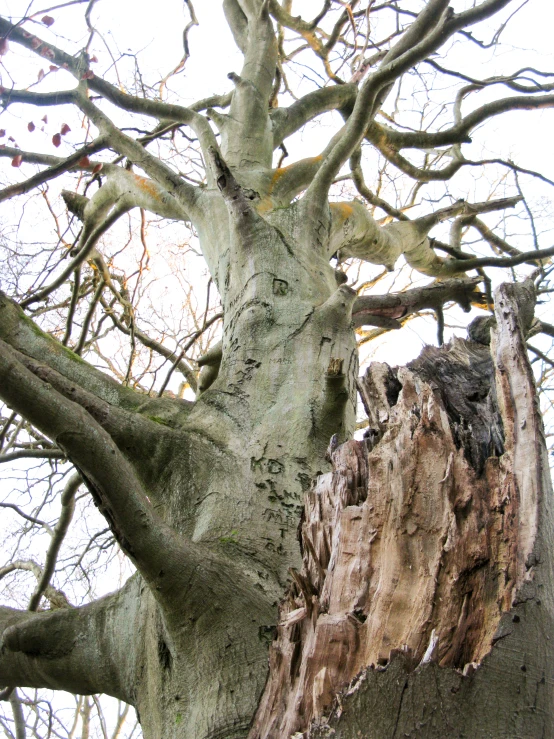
(4, 48)
(83, 162)
(40, 74)
(97, 168)
(56, 139)
(44, 119)
(64, 129)
(31, 126)
(16, 161)
(88, 75)
(48, 20)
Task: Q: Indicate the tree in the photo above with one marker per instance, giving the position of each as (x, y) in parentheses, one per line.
(204, 496)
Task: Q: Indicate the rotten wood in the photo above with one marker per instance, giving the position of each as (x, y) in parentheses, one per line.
(417, 542)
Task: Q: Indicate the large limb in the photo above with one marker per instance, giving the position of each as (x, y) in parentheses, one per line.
(247, 141)
(176, 570)
(22, 334)
(153, 546)
(237, 22)
(354, 233)
(287, 182)
(369, 310)
(137, 433)
(86, 650)
(287, 121)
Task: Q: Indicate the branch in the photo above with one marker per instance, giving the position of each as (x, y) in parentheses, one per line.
(354, 233)
(247, 141)
(32, 454)
(531, 257)
(122, 191)
(308, 32)
(58, 535)
(287, 121)
(88, 241)
(56, 598)
(171, 354)
(186, 195)
(287, 182)
(431, 29)
(457, 134)
(399, 305)
(236, 20)
(144, 537)
(369, 99)
(79, 68)
(64, 165)
(18, 717)
(31, 519)
(137, 433)
(85, 650)
(24, 335)
(546, 328)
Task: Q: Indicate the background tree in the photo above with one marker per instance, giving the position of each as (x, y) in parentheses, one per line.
(198, 454)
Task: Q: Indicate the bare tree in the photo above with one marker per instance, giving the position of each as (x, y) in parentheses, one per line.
(419, 598)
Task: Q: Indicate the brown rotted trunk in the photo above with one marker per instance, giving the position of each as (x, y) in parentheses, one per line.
(424, 603)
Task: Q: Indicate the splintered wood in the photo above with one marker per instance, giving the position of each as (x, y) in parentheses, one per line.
(409, 546)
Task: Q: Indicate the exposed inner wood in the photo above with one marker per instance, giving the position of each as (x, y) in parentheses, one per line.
(410, 543)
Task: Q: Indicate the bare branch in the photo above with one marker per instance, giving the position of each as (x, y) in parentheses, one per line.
(400, 305)
(32, 454)
(81, 650)
(72, 162)
(58, 535)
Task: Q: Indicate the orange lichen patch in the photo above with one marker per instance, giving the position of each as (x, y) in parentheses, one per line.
(277, 174)
(283, 180)
(147, 186)
(343, 211)
(265, 205)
